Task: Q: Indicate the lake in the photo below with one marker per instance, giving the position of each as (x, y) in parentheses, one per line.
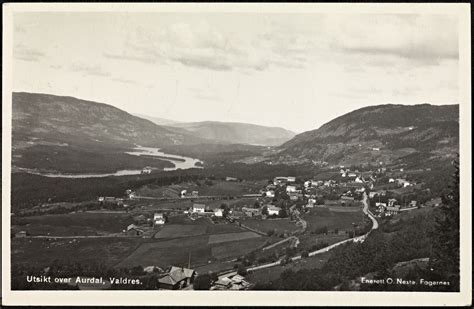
(179, 162)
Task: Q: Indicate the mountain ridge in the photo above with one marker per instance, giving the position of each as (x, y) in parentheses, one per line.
(375, 131)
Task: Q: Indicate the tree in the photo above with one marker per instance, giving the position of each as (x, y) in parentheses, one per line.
(225, 209)
(214, 276)
(265, 210)
(282, 213)
(202, 282)
(241, 270)
(445, 249)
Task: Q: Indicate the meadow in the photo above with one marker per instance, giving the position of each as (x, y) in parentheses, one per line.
(277, 225)
(71, 224)
(44, 252)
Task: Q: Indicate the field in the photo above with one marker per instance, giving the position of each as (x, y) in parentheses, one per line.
(170, 252)
(200, 239)
(320, 217)
(236, 248)
(201, 226)
(280, 225)
(177, 231)
(270, 274)
(221, 238)
(42, 252)
(81, 223)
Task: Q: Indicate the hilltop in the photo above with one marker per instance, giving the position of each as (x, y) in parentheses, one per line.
(382, 133)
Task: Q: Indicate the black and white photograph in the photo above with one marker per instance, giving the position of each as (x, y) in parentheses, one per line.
(237, 149)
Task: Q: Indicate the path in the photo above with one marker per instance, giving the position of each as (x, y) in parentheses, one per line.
(361, 238)
(281, 241)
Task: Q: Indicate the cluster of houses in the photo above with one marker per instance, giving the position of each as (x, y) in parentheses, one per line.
(178, 278)
(111, 200)
(392, 207)
(201, 209)
(187, 194)
(146, 170)
(235, 282)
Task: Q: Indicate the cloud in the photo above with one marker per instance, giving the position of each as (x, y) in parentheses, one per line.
(425, 39)
(204, 47)
(89, 69)
(25, 53)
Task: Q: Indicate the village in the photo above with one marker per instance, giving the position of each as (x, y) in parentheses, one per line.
(268, 222)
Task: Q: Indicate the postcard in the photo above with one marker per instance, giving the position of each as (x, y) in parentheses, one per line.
(236, 154)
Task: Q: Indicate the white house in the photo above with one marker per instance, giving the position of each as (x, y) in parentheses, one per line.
(391, 180)
(218, 212)
(290, 189)
(270, 193)
(199, 208)
(158, 218)
(311, 203)
(273, 210)
(307, 184)
(146, 170)
(358, 180)
(403, 182)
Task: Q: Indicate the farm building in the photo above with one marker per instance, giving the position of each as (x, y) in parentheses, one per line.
(218, 212)
(251, 212)
(403, 182)
(177, 278)
(146, 170)
(392, 210)
(290, 189)
(133, 230)
(273, 210)
(231, 179)
(158, 219)
(270, 193)
(21, 234)
(199, 208)
(235, 282)
(280, 180)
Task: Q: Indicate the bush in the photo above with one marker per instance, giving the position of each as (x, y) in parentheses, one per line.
(202, 282)
(241, 270)
(305, 254)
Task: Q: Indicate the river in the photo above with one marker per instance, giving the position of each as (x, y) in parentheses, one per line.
(179, 162)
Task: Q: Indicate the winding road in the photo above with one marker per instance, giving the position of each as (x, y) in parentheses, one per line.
(375, 225)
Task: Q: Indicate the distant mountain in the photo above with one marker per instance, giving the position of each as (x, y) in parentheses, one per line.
(59, 133)
(157, 120)
(67, 119)
(382, 133)
(237, 133)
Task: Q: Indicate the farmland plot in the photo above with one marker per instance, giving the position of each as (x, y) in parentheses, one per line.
(170, 252)
(221, 238)
(74, 224)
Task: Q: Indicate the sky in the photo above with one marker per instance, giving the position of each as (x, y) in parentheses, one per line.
(291, 70)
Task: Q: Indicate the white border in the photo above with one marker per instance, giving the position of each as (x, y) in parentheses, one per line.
(226, 298)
